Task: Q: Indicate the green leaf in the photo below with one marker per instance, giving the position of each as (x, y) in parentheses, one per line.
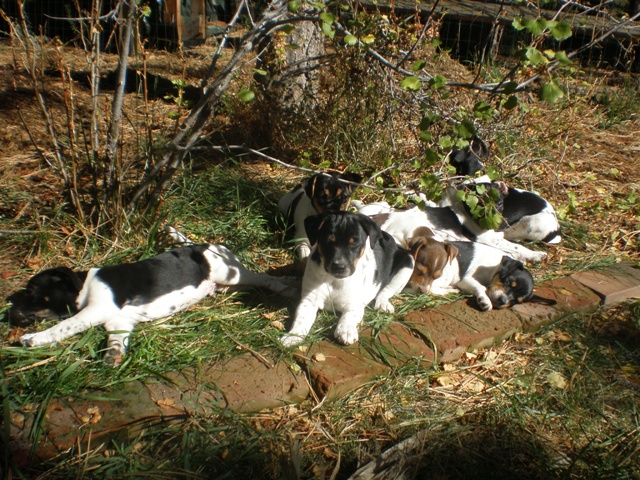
(350, 40)
(511, 102)
(551, 92)
(368, 39)
(493, 173)
(562, 58)
(411, 84)
(483, 111)
(259, 71)
(431, 156)
(534, 57)
(537, 26)
(425, 123)
(418, 65)
(471, 201)
(561, 31)
(445, 142)
(425, 136)
(509, 87)
(327, 17)
(318, 5)
(328, 30)
(465, 129)
(438, 82)
(480, 189)
(293, 6)
(518, 23)
(287, 28)
(246, 95)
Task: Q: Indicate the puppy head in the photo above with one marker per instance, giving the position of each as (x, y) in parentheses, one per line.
(469, 160)
(512, 284)
(328, 192)
(340, 239)
(50, 294)
(431, 258)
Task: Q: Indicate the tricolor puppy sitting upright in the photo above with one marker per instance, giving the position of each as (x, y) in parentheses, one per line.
(493, 278)
(121, 296)
(320, 193)
(352, 263)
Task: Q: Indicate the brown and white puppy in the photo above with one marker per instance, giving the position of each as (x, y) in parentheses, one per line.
(431, 256)
(320, 193)
(352, 264)
(494, 279)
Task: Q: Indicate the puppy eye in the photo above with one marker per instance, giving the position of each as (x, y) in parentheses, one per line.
(514, 284)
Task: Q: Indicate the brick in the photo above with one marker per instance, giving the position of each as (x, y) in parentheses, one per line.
(613, 284)
(568, 295)
(456, 328)
(397, 344)
(341, 370)
(246, 384)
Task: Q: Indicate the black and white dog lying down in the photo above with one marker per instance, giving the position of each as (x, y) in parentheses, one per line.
(121, 296)
(320, 193)
(493, 278)
(352, 263)
(446, 225)
(526, 215)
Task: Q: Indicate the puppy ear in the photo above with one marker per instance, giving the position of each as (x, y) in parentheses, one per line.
(371, 227)
(414, 244)
(508, 265)
(351, 177)
(312, 225)
(452, 251)
(309, 185)
(66, 276)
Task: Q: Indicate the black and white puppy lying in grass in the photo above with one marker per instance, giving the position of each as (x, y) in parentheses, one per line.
(352, 264)
(322, 192)
(121, 296)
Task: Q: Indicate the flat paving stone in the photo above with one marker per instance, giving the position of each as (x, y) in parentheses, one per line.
(335, 370)
(567, 295)
(456, 328)
(614, 284)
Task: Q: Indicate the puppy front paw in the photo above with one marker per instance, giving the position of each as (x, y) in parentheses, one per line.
(537, 256)
(484, 302)
(32, 340)
(302, 251)
(291, 340)
(346, 334)
(384, 305)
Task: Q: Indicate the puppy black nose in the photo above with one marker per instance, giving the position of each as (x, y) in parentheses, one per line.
(502, 301)
(339, 269)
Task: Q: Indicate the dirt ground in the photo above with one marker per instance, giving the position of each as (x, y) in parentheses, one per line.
(593, 175)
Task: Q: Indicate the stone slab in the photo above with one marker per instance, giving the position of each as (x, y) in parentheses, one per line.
(397, 344)
(613, 284)
(249, 384)
(456, 328)
(241, 384)
(335, 370)
(556, 299)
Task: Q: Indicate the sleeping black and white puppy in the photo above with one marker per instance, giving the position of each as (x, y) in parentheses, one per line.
(494, 279)
(320, 193)
(120, 296)
(352, 263)
(526, 215)
(446, 226)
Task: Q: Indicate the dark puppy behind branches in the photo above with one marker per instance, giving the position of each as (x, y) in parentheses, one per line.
(121, 296)
(352, 263)
(467, 161)
(320, 193)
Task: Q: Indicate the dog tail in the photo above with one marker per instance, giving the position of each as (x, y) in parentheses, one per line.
(553, 237)
(177, 237)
